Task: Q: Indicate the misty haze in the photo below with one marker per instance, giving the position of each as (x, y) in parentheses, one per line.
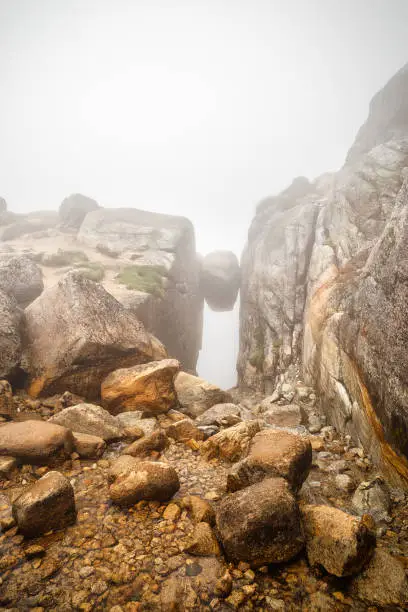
(203, 305)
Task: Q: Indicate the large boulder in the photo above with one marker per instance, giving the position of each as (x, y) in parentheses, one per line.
(89, 419)
(260, 524)
(74, 209)
(21, 277)
(337, 541)
(10, 335)
(35, 441)
(383, 582)
(148, 480)
(196, 395)
(273, 453)
(231, 444)
(46, 505)
(220, 280)
(148, 387)
(77, 333)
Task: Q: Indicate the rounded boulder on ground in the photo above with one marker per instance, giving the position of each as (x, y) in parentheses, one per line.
(148, 388)
(196, 395)
(337, 541)
(35, 441)
(260, 524)
(152, 481)
(47, 504)
(74, 209)
(89, 419)
(20, 277)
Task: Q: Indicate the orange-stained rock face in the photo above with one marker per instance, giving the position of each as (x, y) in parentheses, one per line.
(148, 388)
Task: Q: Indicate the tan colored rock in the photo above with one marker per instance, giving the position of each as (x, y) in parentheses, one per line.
(282, 416)
(47, 504)
(153, 481)
(337, 541)
(196, 395)
(156, 441)
(35, 441)
(184, 430)
(201, 509)
(7, 465)
(89, 419)
(6, 400)
(232, 443)
(128, 420)
(121, 466)
(148, 388)
(76, 334)
(88, 447)
(204, 543)
(383, 582)
(260, 524)
(172, 512)
(218, 414)
(178, 595)
(273, 452)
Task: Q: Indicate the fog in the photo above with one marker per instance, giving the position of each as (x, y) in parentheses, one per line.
(196, 108)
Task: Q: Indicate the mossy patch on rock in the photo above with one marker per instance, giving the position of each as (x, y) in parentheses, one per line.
(93, 271)
(143, 278)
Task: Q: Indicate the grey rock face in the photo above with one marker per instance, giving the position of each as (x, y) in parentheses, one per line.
(383, 582)
(165, 246)
(21, 277)
(324, 287)
(91, 420)
(372, 498)
(220, 280)
(76, 334)
(10, 335)
(74, 209)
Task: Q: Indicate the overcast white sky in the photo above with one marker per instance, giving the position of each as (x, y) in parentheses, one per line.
(192, 107)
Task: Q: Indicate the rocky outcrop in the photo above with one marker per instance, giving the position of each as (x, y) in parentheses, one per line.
(324, 287)
(10, 335)
(220, 280)
(76, 334)
(148, 388)
(74, 209)
(20, 277)
(160, 280)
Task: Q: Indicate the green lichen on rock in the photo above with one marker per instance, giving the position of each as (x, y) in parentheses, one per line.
(143, 278)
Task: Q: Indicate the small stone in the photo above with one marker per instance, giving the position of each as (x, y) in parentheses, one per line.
(223, 586)
(204, 543)
(201, 510)
(34, 551)
(344, 482)
(236, 599)
(86, 571)
(172, 512)
(156, 441)
(372, 497)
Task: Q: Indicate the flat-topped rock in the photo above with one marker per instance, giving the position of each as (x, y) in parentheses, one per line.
(89, 419)
(47, 504)
(273, 452)
(35, 441)
(147, 387)
(260, 524)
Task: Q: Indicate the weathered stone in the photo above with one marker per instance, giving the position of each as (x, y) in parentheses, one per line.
(172, 512)
(76, 333)
(177, 595)
(148, 388)
(156, 441)
(89, 419)
(128, 420)
(147, 481)
(87, 446)
(232, 443)
(337, 541)
(273, 453)
(196, 395)
(7, 465)
(35, 441)
(184, 430)
(10, 335)
(74, 209)
(201, 509)
(6, 399)
(47, 504)
(20, 277)
(121, 466)
(204, 543)
(218, 413)
(260, 524)
(220, 280)
(282, 416)
(383, 582)
(344, 482)
(373, 498)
